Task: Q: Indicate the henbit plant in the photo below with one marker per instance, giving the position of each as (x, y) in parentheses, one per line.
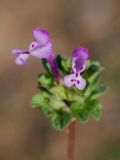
(70, 87)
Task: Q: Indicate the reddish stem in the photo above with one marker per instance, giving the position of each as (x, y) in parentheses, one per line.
(71, 141)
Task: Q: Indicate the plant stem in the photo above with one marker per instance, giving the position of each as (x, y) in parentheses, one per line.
(71, 141)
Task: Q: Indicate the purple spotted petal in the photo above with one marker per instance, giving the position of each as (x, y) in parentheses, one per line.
(80, 82)
(18, 51)
(79, 58)
(33, 45)
(81, 52)
(42, 52)
(69, 80)
(21, 59)
(78, 64)
(41, 36)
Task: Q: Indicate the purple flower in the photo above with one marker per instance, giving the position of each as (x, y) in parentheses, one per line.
(40, 48)
(22, 55)
(79, 60)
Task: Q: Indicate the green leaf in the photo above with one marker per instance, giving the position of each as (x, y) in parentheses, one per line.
(74, 96)
(83, 116)
(59, 91)
(47, 66)
(56, 103)
(96, 107)
(80, 112)
(92, 71)
(93, 68)
(59, 60)
(47, 110)
(95, 81)
(40, 99)
(98, 92)
(83, 111)
(96, 113)
(61, 120)
(63, 64)
(45, 80)
(92, 86)
(66, 64)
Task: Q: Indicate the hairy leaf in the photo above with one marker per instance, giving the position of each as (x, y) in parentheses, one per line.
(59, 91)
(61, 120)
(45, 80)
(98, 92)
(40, 99)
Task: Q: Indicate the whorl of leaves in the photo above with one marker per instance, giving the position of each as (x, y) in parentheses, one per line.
(63, 105)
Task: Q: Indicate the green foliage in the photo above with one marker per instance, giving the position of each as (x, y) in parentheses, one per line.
(60, 104)
(45, 80)
(79, 111)
(97, 92)
(93, 68)
(47, 66)
(63, 64)
(59, 91)
(40, 99)
(61, 120)
(83, 111)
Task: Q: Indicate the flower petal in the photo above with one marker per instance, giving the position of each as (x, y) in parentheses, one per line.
(18, 51)
(78, 64)
(79, 58)
(80, 82)
(42, 52)
(69, 80)
(33, 45)
(21, 59)
(81, 52)
(41, 36)
(82, 68)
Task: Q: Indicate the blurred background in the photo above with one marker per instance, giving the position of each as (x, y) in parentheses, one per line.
(25, 134)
